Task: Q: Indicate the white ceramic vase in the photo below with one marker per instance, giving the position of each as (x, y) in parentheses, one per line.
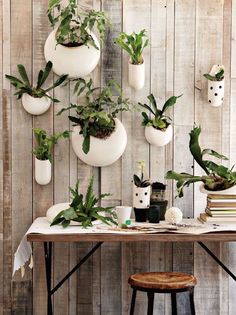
(35, 105)
(43, 171)
(229, 191)
(137, 75)
(216, 90)
(157, 137)
(102, 152)
(74, 61)
(141, 197)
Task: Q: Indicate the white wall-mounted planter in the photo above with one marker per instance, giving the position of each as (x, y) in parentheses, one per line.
(43, 171)
(35, 105)
(141, 197)
(137, 75)
(74, 61)
(157, 137)
(102, 152)
(229, 191)
(216, 91)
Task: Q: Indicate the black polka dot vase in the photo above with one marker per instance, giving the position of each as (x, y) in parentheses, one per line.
(216, 91)
(141, 197)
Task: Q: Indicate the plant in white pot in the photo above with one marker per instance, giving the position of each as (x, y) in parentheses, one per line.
(158, 128)
(218, 179)
(43, 154)
(72, 46)
(134, 45)
(216, 85)
(35, 99)
(98, 138)
(141, 189)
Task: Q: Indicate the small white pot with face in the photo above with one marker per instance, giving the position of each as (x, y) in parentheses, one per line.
(136, 75)
(229, 191)
(158, 137)
(74, 61)
(216, 90)
(43, 171)
(141, 197)
(35, 105)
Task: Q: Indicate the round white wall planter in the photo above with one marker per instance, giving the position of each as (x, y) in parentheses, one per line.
(43, 171)
(216, 90)
(74, 61)
(102, 152)
(157, 137)
(35, 105)
(229, 191)
(136, 75)
(141, 197)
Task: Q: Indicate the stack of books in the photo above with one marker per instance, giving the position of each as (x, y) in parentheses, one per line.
(220, 209)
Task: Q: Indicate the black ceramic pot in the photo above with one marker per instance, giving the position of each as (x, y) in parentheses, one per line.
(154, 214)
(140, 214)
(163, 205)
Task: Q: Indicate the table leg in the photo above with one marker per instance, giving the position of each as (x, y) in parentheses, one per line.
(48, 267)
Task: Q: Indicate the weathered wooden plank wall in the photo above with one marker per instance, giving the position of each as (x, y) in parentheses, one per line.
(186, 38)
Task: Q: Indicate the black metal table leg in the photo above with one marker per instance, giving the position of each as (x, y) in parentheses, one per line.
(48, 265)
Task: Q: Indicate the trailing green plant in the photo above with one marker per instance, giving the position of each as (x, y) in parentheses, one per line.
(158, 118)
(96, 116)
(73, 28)
(219, 75)
(133, 44)
(44, 144)
(23, 84)
(139, 181)
(84, 209)
(218, 177)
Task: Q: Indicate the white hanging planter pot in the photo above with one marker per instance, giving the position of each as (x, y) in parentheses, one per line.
(35, 105)
(74, 61)
(102, 152)
(229, 191)
(158, 137)
(137, 75)
(43, 171)
(141, 197)
(216, 90)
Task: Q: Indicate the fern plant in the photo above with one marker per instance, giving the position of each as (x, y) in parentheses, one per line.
(23, 84)
(84, 209)
(218, 76)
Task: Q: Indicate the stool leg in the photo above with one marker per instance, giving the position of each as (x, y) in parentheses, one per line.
(173, 304)
(133, 302)
(150, 303)
(191, 298)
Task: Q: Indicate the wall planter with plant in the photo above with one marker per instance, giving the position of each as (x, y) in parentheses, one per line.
(134, 45)
(218, 178)
(43, 154)
(158, 128)
(98, 138)
(35, 99)
(72, 46)
(216, 85)
(83, 210)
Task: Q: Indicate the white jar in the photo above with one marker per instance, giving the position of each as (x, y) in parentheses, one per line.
(136, 75)
(141, 197)
(35, 105)
(216, 91)
(43, 171)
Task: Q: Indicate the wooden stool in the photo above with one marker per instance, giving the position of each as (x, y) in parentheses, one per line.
(162, 282)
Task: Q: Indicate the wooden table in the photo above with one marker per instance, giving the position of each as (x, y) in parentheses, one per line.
(48, 239)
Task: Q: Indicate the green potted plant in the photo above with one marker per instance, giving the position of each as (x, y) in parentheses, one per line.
(134, 45)
(216, 85)
(72, 46)
(83, 210)
(98, 138)
(43, 154)
(158, 128)
(36, 100)
(218, 179)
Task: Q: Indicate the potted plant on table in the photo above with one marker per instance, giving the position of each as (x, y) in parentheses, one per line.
(158, 198)
(158, 128)
(218, 178)
(98, 138)
(216, 85)
(72, 46)
(134, 45)
(35, 99)
(43, 154)
(83, 210)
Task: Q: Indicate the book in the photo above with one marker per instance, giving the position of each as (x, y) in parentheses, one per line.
(220, 197)
(221, 208)
(221, 213)
(206, 218)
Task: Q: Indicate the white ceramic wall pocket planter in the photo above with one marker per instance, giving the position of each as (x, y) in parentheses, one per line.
(229, 191)
(141, 197)
(158, 137)
(103, 152)
(137, 75)
(74, 61)
(216, 89)
(35, 105)
(43, 171)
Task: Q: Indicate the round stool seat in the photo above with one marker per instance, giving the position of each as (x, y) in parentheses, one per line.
(163, 280)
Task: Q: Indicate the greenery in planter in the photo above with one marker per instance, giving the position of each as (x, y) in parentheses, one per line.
(23, 85)
(84, 209)
(219, 76)
(74, 29)
(43, 149)
(97, 117)
(140, 181)
(159, 120)
(218, 177)
(134, 45)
